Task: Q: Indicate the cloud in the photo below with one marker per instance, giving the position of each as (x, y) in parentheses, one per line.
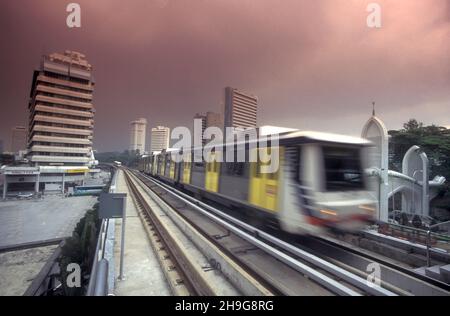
(312, 63)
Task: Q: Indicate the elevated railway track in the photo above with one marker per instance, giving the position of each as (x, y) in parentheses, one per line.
(258, 262)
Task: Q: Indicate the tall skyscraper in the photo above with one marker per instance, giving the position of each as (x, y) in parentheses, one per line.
(1, 147)
(137, 135)
(202, 117)
(214, 120)
(210, 119)
(160, 138)
(18, 139)
(240, 109)
(61, 117)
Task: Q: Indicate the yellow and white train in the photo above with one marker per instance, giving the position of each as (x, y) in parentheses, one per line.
(319, 185)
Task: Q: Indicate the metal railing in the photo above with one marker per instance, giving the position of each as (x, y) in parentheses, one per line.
(99, 254)
(98, 282)
(429, 238)
(46, 280)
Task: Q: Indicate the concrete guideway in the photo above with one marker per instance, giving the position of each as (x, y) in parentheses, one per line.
(399, 280)
(143, 275)
(192, 260)
(393, 277)
(301, 274)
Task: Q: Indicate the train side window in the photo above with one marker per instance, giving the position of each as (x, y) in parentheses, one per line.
(343, 169)
(298, 164)
(256, 166)
(199, 165)
(229, 166)
(261, 164)
(272, 176)
(258, 173)
(216, 166)
(240, 168)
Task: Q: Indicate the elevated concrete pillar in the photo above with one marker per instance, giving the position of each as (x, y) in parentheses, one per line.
(416, 163)
(36, 184)
(63, 182)
(375, 131)
(5, 187)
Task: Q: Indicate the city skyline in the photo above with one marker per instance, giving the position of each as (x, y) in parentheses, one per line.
(301, 59)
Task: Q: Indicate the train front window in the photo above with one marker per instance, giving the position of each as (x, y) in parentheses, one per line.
(343, 170)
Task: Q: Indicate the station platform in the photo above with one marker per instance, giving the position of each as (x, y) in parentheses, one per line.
(143, 274)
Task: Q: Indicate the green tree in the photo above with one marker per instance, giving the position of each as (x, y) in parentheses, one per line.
(412, 126)
(80, 249)
(434, 141)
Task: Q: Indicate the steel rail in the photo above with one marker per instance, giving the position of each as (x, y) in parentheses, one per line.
(413, 283)
(219, 257)
(258, 236)
(175, 253)
(418, 284)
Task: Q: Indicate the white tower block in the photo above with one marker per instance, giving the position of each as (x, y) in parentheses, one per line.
(416, 165)
(375, 131)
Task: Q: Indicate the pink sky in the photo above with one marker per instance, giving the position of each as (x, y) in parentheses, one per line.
(313, 64)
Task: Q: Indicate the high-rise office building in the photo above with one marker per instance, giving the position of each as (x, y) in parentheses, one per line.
(61, 119)
(18, 139)
(214, 120)
(210, 119)
(137, 135)
(240, 109)
(160, 138)
(202, 117)
(1, 147)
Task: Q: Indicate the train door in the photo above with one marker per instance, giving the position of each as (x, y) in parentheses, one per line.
(167, 166)
(158, 165)
(154, 165)
(187, 165)
(148, 165)
(172, 169)
(212, 174)
(178, 166)
(263, 190)
(163, 165)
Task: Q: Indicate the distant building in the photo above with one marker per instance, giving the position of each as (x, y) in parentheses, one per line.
(214, 120)
(137, 135)
(18, 139)
(160, 138)
(61, 111)
(202, 117)
(60, 130)
(210, 119)
(240, 109)
(2, 149)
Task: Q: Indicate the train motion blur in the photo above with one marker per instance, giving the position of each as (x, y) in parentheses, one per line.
(320, 185)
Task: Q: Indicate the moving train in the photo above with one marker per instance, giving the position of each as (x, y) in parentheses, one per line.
(319, 186)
